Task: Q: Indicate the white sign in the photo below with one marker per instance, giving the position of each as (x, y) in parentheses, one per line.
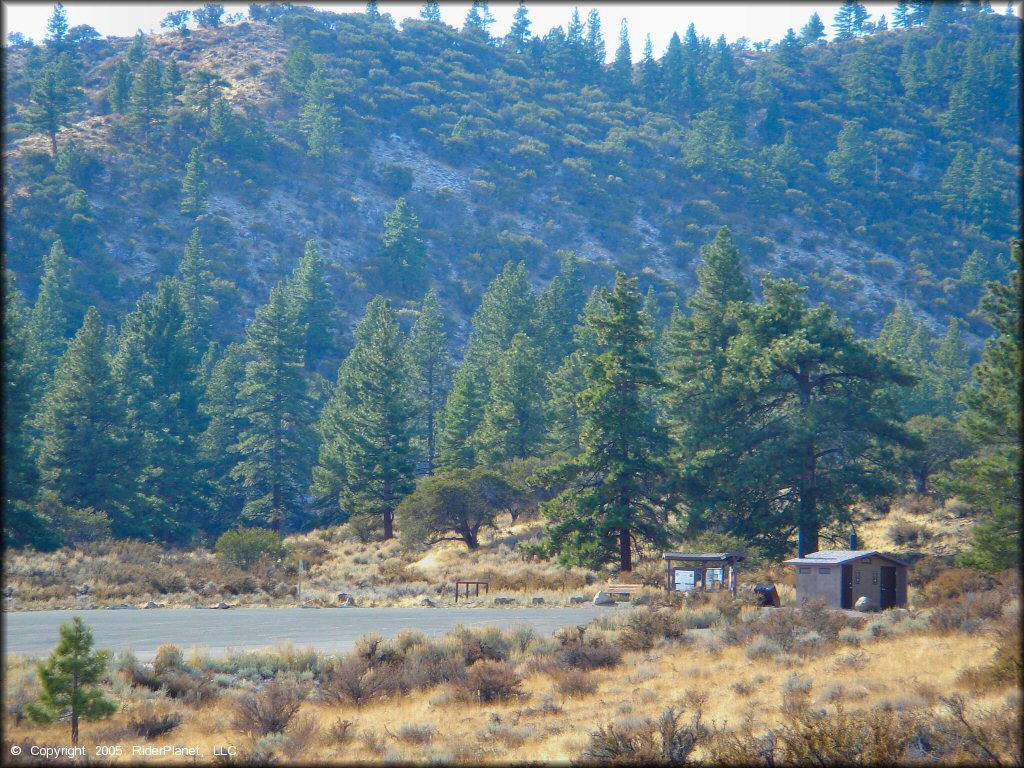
(685, 580)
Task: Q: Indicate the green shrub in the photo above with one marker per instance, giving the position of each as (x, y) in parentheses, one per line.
(243, 547)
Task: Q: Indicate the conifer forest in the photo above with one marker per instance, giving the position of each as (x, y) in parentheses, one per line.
(314, 307)
(298, 268)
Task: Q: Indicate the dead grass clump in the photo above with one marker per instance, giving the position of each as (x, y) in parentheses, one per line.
(341, 732)
(416, 734)
(762, 648)
(669, 741)
(268, 711)
(487, 681)
(1005, 668)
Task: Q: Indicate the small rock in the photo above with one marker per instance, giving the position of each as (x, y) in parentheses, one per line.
(85, 589)
(900, 612)
(864, 604)
(150, 605)
(503, 601)
(9, 592)
(538, 601)
(221, 606)
(603, 598)
(577, 600)
(428, 603)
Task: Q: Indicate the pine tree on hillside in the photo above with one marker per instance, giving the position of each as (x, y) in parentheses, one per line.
(52, 98)
(22, 525)
(277, 443)
(648, 79)
(514, 420)
(221, 407)
(519, 34)
(318, 117)
(196, 288)
(367, 426)
(569, 379)
(156, 369)
(313, 304)
(430, 11)
(82, 454)
(430, 373)
(49, 320)
(120, 86)
(813, 30)
(991, 478)
(147, 99)
(194, 186)
(616, 496)
(558, 310)
(620, 74)
(57, 28)
(403, 255)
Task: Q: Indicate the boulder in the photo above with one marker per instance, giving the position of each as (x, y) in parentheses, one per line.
(642, 598)
(9, 592)
(503, 601)
(603, 598)
(85, 589)
(221, 606)
(577, 600)
(150, 605)
(346, 599)
(428, 603)
(864, 604)
(538, 601)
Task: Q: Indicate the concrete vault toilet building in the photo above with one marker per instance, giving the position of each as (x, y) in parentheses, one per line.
(841, 577)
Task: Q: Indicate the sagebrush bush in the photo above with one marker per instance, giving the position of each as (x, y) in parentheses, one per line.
(268, 711)
(644, 627)
(574, 682)
(668, 741)
(244, 547)
(589, 655)
(953, 583)
(487, 681)
(148, 723)
(355, 680)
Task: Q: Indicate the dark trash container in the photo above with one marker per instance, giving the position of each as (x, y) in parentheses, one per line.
(767, 595)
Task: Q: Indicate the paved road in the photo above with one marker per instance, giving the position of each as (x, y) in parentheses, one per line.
(326, 629)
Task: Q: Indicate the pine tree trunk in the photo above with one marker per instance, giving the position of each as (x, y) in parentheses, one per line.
(389, 531)
(53, 144)
(625, 551)
(74, 710)
(807, 530)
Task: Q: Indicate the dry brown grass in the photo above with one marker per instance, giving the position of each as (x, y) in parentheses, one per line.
(481, 695)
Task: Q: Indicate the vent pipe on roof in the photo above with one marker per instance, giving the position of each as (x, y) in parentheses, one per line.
(853, 541)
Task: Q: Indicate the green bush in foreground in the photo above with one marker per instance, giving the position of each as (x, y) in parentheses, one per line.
(243, 547)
